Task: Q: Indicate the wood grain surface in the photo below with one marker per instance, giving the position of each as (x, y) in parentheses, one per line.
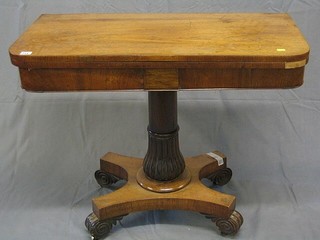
(132, 197)
(74, 52)
(90, 38)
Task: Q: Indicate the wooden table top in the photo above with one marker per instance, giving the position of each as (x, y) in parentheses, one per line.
(74, 52)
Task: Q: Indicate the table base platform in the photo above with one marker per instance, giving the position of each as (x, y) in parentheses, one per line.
(187, 192)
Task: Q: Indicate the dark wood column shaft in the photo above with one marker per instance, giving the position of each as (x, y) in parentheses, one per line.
(162, 112)
(163, 161)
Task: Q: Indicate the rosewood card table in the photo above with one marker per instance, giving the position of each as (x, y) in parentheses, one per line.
(161, 54)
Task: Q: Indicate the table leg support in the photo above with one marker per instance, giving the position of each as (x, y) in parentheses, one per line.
(163, 180)
(99, 229)
(163, 161)
(107, 209)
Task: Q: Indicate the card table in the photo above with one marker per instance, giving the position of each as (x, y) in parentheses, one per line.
(161, 54)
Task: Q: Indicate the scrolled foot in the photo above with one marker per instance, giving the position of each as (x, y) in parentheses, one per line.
(105, 179)
(99, 229)
(231, 225)
(221, 177)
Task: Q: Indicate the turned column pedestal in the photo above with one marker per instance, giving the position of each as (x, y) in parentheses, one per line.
(163, 161)
(163, 179)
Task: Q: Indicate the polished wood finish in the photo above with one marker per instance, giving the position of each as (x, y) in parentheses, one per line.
(242, 78)
(96, 38)
(156, 79)
(164, 186)
(192, 196)
(132, 197)
(163, 107)
(65, 79)
(74, 52)
(158, 53)
(163, 161)
(132, 79)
